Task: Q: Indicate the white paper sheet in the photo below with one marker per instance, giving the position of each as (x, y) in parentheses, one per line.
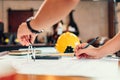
(69, 66)
(44, 49)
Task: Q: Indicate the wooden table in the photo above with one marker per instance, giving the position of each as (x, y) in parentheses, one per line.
(42, 77)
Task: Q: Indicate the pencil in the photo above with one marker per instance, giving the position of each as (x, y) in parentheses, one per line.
(90, 43)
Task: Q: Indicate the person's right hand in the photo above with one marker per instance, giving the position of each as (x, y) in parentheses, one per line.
(24, 35)
(90, 52)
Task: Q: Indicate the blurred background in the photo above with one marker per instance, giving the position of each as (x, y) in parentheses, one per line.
(89, 19)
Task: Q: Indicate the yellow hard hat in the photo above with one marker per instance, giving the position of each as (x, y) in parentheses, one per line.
(65, 40)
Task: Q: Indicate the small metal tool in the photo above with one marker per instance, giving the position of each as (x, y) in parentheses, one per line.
(31, 48)
(32, 51)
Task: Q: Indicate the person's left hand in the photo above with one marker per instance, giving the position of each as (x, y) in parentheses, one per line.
(24, 35)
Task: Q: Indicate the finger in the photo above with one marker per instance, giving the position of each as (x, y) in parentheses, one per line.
(82, 53)
(21, 40)
(90, 57)
(82, 56)
(83, 45)
(77, 48)
(25, 40)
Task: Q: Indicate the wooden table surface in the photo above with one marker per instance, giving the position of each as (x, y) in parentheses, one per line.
(42, 77)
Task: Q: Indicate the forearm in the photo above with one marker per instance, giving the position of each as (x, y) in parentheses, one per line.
(111, 46)
(51, 12)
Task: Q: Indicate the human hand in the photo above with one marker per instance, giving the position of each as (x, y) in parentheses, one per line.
(90, 52)
(24, 35)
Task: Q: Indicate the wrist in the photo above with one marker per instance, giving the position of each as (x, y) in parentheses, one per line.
(102, 52)
(30, 27)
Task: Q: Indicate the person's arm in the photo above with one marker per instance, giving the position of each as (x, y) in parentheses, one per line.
(50, 12)
(110, 47)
